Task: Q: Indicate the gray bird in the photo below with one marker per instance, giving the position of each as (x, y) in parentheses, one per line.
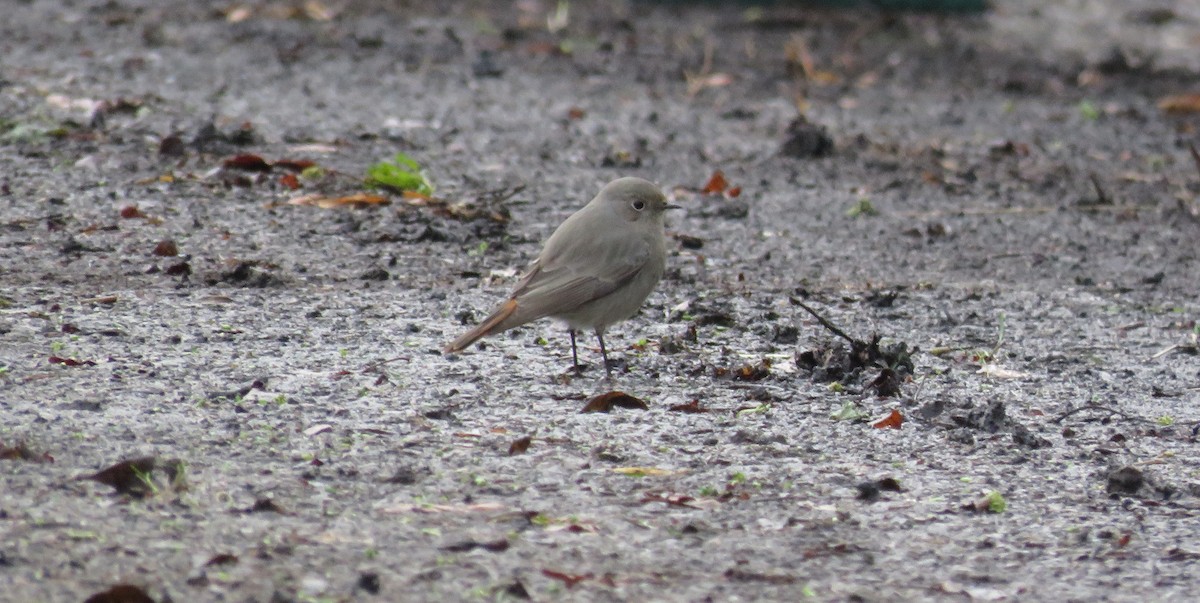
(595, 270)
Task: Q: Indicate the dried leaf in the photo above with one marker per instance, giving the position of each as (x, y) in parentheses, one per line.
(70, 361)
(103, 299)
(247, 162)
(606, 402)
(893, 420)
(569, 580)
(691, 407)
(121, 593)
(221, 559)
(753, 372)
(520, 446)
(172, 146)
(494, 546)
(266, 505)
(238, 13)
(289, 181)
(22, 452)
(716, 184)
(295, 165)
(1180, 104)
(356, 200)
(130, 212)
(869, 491)
(166, 248)
(673, 499)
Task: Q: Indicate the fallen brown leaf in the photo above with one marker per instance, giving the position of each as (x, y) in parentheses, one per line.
(121, 593)
(606, 402)
(247, 162)
(265, 505)
(295, 165)
(289, 181)
(166, 248)
(669, 498)
(569, 580)
(324, 202)
(1179, 104)
(520, 446)
(70, 361)
(690, 407)
(716, 184)
(22, 452)
(221, 559)
(893, 420)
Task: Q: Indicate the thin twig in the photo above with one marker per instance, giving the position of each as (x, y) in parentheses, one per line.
(824, 321)
(1101, 197)
(501, 194)
(370, 368)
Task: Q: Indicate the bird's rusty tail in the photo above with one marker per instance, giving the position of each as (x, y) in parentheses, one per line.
(484, 328)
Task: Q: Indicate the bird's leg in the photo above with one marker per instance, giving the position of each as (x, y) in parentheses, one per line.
(574, 354)
(603, 353)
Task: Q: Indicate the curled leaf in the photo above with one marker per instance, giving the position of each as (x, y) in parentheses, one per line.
(892, 420)
(606, 402)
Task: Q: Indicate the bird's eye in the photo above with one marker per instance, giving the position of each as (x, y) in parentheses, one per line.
(639, 205)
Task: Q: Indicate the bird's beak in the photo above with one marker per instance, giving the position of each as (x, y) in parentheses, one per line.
(672, 206)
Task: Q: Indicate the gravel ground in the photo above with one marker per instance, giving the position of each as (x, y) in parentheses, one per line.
(247, 365)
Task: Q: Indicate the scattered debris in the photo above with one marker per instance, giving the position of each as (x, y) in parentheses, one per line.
(805, 140)
(837, 363)
(22, 452)
(740, 575)
(265, 505)
(494, 546)
(993, 418)
(746, 372)
(70, 361)
(872, 490)
(690, 407)
(221, 559)
(1125, 480)
(520, 446)
(992, 502)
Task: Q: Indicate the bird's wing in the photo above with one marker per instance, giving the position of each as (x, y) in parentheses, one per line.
(571, 273)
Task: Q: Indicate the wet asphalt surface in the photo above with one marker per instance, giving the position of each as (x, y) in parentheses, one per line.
(1000, 198)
